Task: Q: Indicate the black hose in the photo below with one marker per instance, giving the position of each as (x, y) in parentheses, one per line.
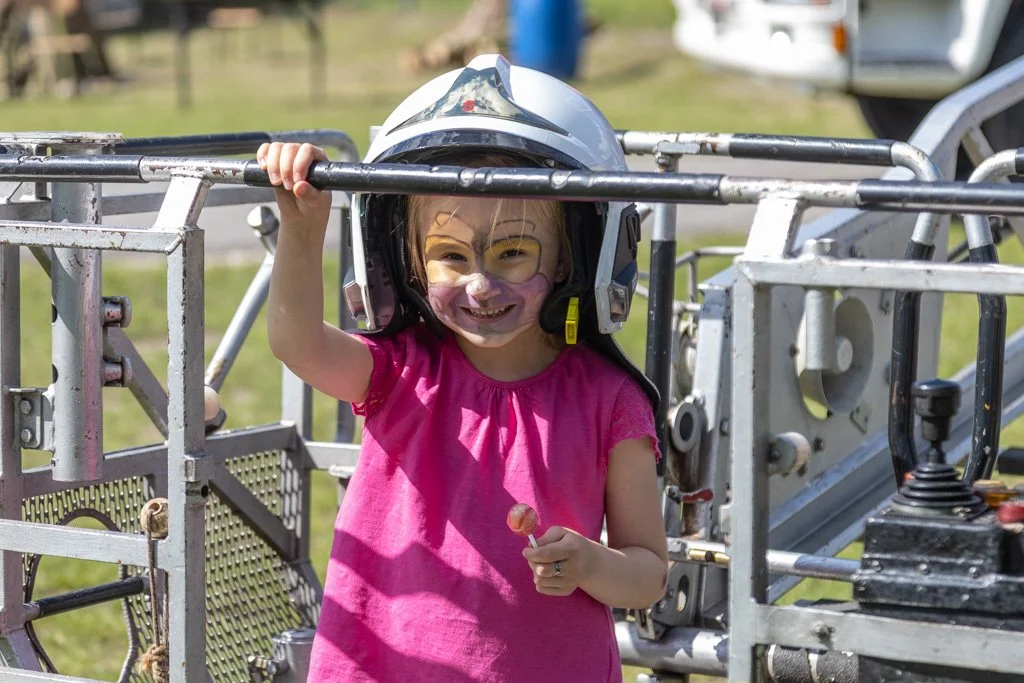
(903, 370)
(988, 396)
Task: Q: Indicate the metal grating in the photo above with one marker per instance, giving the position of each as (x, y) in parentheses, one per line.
(249, 589)
(119, 501)
(251, 593)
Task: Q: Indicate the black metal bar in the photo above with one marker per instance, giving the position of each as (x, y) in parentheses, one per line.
(181, 145)
(400, 179)
(345, 423)
(659, 334)
(896, 196)
(988, 396)
(95, 168)
(804, 148)
(903, 370)
(86, 597)
(1018, 162)
(943, 196)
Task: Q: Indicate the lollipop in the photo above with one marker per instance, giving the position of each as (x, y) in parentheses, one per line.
(522, 519)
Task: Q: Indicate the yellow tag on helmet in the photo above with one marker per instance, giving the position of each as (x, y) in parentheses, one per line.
(572, 320)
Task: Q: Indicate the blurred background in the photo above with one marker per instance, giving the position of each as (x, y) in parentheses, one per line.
(164, 67)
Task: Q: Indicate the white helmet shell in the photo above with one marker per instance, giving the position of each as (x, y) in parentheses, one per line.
(580, 132)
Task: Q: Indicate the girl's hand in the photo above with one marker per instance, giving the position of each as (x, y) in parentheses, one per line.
(287, 164)
(561, 563)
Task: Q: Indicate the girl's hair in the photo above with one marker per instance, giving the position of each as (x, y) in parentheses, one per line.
(550, 210)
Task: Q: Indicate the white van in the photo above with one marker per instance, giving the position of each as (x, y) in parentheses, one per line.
(897, 57)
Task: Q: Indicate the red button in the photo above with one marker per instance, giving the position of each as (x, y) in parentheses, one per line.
(1011, 512)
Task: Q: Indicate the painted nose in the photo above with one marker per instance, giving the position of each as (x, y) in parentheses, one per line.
(480, 287)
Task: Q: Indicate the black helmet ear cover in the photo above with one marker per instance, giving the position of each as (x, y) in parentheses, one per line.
(582, 225)
(392, 211)
(400, 254)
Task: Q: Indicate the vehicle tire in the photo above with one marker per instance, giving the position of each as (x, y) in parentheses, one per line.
(897, 118)
(1006, 130)
(893, 118)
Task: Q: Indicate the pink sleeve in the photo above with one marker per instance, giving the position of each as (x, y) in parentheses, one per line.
(633, 418)
(388, 355)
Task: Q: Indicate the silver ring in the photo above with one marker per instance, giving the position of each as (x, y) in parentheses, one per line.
(558, 567)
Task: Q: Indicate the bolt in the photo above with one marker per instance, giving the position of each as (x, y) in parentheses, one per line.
(974, 572)
(26, 435)
(822, 631)
(26, 406)
(924, 569)
(667, 163)
(794, 350)
(876, 565)
(723, 426)
(819, 445)
(662, 604)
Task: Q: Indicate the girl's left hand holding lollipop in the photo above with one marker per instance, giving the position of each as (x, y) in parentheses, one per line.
(558, 560)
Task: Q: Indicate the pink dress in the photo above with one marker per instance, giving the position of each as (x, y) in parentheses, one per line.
(426, 583)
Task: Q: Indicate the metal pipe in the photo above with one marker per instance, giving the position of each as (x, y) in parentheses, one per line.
(907, 156)
(345, 422)
(683, 650)
(245, 142)
(240, 326)
(906, 322)
(903, 370)
(820, 321)
(12, 492)
(796, 148)
(85, 597)
(864, 152)
(880, 195)
(77, 333)
(991, 329)
(658, 364)
(779, 561)
(988, 398)
(265, 224)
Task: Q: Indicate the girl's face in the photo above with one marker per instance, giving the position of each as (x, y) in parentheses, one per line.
(489, 264)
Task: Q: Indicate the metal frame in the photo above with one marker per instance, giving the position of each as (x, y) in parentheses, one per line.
(763, 266)
(190, 465)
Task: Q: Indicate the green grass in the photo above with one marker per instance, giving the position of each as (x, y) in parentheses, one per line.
(630, 69)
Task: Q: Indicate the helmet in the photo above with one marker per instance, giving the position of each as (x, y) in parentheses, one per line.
(486, 107)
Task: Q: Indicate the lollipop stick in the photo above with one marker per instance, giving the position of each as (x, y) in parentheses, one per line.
(533, 541)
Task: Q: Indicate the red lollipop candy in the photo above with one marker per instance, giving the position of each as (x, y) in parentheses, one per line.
(522, 519)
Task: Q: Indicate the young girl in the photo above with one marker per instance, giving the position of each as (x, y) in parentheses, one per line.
(487, 382)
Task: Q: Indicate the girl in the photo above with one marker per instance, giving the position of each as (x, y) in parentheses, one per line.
(489, 379)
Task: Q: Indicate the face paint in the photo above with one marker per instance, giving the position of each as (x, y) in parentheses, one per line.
(488, 312)
(487, 272)
(511, 259)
